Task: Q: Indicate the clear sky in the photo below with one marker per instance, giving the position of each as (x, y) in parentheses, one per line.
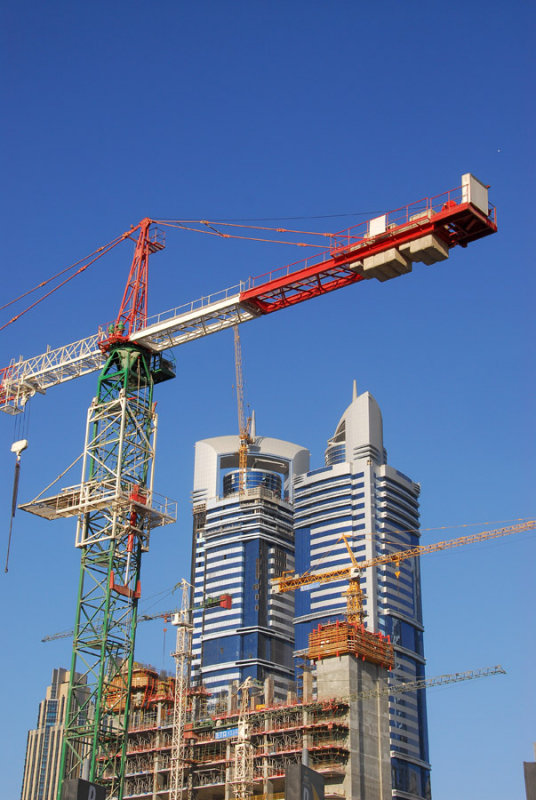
(328, 113)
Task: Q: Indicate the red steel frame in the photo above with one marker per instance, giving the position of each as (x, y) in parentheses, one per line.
(446, 216)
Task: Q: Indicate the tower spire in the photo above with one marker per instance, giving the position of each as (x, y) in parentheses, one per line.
(354, 390)
(252, 427)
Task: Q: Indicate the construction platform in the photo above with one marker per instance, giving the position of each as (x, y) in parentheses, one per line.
(156, 510)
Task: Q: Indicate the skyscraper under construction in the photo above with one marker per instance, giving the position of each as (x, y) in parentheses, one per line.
(375, 506)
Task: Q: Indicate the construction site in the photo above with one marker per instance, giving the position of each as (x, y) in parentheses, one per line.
(275, 736)
(330, 681)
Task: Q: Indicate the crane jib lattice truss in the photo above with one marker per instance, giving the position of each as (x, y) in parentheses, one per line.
(382, 248)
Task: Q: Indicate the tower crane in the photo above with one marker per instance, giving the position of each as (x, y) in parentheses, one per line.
(224, 600)
(429, 683)
(183, 659)
(355, 612)
(384, 248)
(243, 754)
(244, 425)
(143, 618)
(115, 504)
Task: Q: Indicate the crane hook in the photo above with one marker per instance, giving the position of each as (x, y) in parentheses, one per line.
(16, 447)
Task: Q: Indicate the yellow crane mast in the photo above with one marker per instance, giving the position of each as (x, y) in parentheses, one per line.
(244, 424)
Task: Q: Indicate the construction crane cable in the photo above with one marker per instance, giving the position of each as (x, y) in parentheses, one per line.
(57, 478)
(13, 510)
(93, 257)
(214, 232)
(281, 219)
(228, 224)
(57, 275)
(261, 228)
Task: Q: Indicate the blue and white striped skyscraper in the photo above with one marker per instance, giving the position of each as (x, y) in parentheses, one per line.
(358, 494)
(240, 541)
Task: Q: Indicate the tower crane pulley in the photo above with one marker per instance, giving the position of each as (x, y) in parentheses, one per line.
(115, 504)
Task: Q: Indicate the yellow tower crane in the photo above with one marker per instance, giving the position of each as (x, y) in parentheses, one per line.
(348, 636)
(244, 424)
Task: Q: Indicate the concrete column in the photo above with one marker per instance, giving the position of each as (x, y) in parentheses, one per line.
(368, 772)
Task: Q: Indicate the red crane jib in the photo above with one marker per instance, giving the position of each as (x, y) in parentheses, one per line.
(454, 223)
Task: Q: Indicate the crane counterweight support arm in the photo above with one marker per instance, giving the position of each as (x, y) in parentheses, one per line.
(382, 248)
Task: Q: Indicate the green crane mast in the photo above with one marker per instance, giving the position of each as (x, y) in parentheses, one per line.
(116, 510)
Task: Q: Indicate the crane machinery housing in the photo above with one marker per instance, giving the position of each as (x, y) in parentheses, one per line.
(115, 504)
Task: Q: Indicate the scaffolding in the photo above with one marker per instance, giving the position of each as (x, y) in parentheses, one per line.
(348, 638)
(278, 735)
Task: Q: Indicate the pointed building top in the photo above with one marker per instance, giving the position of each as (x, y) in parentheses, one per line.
(252, 429)
(359, 433)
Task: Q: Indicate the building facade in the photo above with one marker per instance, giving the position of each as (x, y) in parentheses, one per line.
(44, 743)
(243, 536)
(359, 495)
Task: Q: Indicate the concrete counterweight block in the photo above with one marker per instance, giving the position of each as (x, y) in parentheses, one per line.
(356, 266)
(384, 266)
(428, 249)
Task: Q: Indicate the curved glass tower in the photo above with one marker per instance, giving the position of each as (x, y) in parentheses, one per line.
(376, 506)
(240, 542)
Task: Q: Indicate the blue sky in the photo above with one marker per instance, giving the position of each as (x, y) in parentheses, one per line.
(330, 113)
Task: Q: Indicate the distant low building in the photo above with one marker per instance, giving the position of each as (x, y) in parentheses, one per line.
(529, 768)
(44, 743)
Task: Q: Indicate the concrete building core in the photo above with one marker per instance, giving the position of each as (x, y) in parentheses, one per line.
(368, 771)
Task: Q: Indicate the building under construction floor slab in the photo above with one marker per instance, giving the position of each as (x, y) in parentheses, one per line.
(339, 730)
